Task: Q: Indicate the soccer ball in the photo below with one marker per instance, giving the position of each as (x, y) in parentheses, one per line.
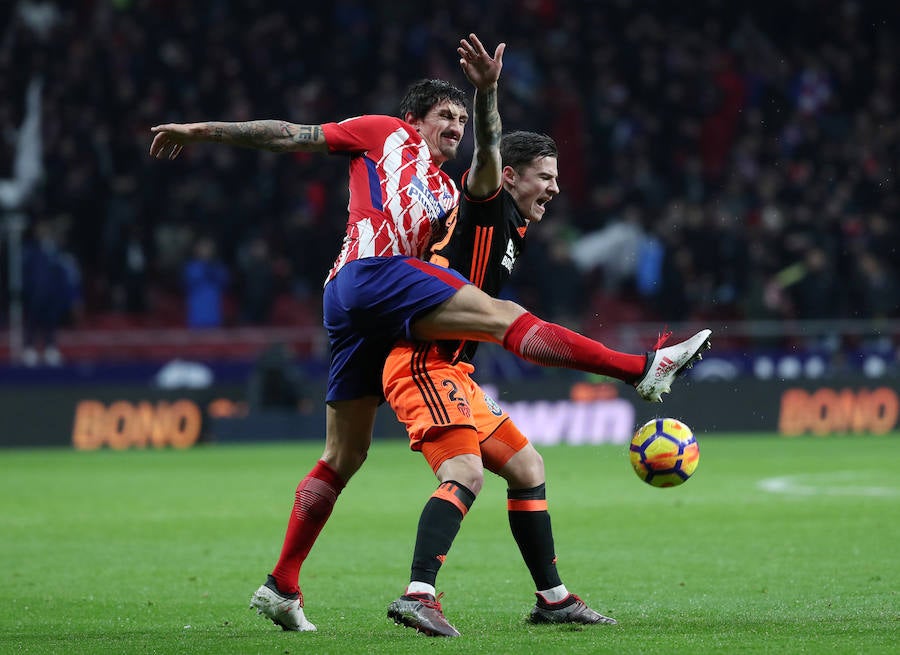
(664, 452)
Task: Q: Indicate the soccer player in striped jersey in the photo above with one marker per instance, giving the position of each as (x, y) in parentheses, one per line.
(380, 290)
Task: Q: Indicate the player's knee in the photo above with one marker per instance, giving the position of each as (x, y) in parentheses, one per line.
(346, 458)
(536, 467)
(494, 316)
(476, 482)
(525, 469)
(472, 477)
(358, 456)
(505, 312)
(473, 482)
(464, 469)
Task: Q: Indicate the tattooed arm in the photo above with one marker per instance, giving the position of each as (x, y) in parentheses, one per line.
(485, 173)
(483, 72)
(274, 135)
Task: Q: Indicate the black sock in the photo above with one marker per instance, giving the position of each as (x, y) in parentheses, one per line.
(438, 526)
(529, 521)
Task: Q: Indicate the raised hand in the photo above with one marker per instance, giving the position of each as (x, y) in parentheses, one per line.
(482, 70)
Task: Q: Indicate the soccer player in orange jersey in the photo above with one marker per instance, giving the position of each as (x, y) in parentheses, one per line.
(457, 427)
(381, 290)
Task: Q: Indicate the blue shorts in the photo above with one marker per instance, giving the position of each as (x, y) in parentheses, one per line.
(367, 307)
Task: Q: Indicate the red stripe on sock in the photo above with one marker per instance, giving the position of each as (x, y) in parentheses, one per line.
(549, 344)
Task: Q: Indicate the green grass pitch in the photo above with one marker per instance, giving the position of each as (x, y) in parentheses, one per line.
(774, 546)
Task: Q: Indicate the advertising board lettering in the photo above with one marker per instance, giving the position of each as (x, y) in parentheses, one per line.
(124, 424)
(831, 411)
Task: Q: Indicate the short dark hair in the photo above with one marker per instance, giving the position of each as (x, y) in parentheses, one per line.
(519, 149)
(425, 94)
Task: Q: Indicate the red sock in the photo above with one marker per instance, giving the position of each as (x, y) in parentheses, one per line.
(549, 344)
(313, 502)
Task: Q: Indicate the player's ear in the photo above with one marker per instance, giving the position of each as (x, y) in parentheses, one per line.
(411, 119)
(509, 176)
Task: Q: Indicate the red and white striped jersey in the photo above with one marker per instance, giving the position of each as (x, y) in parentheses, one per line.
(397, 193)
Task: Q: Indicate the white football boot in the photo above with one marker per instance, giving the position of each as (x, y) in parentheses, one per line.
(665, 364)
(283, 610)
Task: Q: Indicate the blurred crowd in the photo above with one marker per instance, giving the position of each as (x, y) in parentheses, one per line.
(718, 159)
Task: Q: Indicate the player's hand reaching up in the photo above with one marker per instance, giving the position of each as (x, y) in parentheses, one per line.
(482, 70)
(172, 137)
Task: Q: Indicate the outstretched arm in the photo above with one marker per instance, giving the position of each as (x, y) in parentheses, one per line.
(483, 72)
(28, 165)
(274, 135)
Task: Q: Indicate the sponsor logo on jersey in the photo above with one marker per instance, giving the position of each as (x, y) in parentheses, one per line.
(510, 257)
(418, 192)
(448, 200)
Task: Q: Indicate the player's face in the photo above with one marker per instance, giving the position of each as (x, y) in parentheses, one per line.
(442, 128)
(537, 185)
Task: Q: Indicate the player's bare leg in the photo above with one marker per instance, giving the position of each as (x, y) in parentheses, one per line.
(348, 434)
(469, 314)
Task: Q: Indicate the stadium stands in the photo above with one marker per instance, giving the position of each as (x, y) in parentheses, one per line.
(747, 152)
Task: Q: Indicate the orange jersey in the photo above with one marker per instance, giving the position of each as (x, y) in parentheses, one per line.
(428, 393)
(429, 385)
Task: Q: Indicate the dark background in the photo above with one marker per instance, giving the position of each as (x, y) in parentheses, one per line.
(756, 141)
